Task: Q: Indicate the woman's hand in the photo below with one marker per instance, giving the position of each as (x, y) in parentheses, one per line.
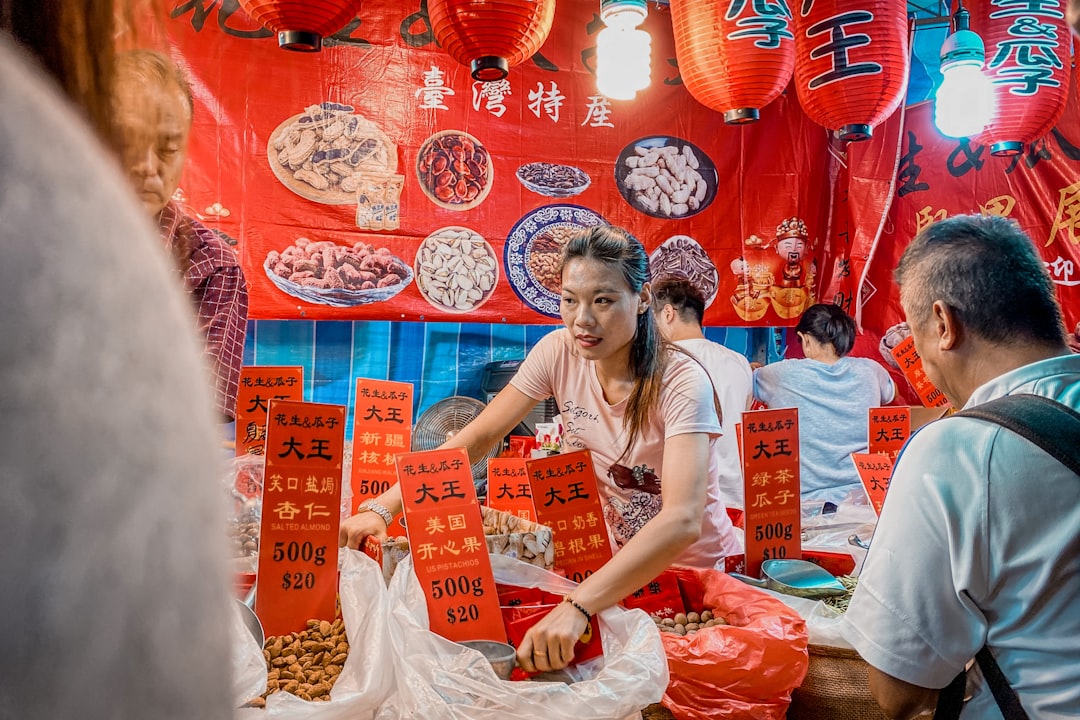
(549, 644)
(354, 529)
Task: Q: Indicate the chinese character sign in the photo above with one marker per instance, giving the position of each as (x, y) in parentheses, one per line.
(875, 471)
(907, 357)
(509, 489)
(446, 539)
(297, 575)
(567, 500)
(258, 386)
(770, 452)
(888, 428)
(382, 428)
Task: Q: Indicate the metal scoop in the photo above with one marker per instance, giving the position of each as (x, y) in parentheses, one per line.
(800, 578)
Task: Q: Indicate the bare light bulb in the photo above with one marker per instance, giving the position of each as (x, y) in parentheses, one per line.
(623, 64)
(964, 103)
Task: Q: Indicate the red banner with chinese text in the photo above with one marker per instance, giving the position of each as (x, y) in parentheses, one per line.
(315, 162)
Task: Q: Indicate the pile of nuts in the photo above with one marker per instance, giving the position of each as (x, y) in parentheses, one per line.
(546, 254)
(456, 269)
(327, 265)
(687, 623)
(307, 663)
(244, 535)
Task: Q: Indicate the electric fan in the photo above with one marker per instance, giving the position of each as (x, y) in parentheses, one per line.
(436, 424)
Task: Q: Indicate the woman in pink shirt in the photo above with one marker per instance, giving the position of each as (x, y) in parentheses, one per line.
(647, 412)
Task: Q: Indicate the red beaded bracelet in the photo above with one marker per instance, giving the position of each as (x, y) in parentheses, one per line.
(583, 611)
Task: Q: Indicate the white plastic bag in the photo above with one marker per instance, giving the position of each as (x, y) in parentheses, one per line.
(367, 679)
(248, 665)
(440, 679)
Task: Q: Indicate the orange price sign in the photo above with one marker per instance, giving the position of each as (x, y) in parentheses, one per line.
(888, 428)
(770, 453)
(508, 487)
(911, 365)
(297, 574)
(875, 470)
(382, 428)
(449, 552)
(567, 500)
(258, 386)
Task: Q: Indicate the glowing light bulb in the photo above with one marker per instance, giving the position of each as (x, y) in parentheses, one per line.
(623, 63)
(965, 102)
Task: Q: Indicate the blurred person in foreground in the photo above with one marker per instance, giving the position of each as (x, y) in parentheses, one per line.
(644, 410)
(679, 309)
(115, 585)
(154, 109)
(979, 539)
(833, 393)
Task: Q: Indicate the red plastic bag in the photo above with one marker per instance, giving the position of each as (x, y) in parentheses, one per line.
(744, 670)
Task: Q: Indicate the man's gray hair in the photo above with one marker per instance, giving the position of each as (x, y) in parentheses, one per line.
(150, 66)
(988, 272)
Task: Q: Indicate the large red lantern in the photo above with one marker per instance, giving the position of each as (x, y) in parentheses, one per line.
(1027, 59)
(851, 62)
(493, 36)
(302, 24)
(734, 56)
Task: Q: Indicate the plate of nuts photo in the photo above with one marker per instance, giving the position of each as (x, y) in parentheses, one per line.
(552, 179)
(456, 269)
(454, 170)
(666, 177)
(534, 248)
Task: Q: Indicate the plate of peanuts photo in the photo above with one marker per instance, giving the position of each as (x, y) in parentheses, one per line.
(533, 250)
(456, 270)
(666, 177)
(325, 273)
(454, 170)
(321, 153)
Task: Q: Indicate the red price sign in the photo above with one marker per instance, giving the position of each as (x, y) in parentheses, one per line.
(875, 470)
(297, 574)
(888, 428)
(567, 500)
(770, 454)
(382, 428)
(258, 386)
(446, 539)
(911, 365)
(661, 597)
(508, 487)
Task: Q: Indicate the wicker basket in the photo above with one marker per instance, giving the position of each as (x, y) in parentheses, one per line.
(505, 534)
(836, 688)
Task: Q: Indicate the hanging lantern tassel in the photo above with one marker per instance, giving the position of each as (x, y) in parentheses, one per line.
(733, 63)
(302, 26)
(1027, 59)
(851, 63)
(491, 37)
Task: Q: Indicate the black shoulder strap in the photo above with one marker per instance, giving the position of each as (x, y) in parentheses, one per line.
(1048, 424)
(1056, 429)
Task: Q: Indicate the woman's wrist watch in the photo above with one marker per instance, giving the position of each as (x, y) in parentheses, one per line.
(379, 509)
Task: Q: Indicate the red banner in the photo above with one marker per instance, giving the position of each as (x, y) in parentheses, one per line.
(376, 180)
(937, 177)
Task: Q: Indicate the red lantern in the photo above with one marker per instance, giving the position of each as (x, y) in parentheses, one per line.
(302, 24)
(735, 57)
(1027, 58)
(851, 62)
(491, 37)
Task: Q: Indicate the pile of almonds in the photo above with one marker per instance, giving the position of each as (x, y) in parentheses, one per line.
(687, 623)
(306, 663)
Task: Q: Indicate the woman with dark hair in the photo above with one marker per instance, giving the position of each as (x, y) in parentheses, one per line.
(833, 394)
(645, 410)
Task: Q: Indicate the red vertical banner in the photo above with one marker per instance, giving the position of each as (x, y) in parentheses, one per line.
(770, 452)
(568, 501)
(509, 489)
(258, 386)
(907, 357)
(446, 538)
(888, 428)
(297, 574)
(875, 471)
(382, 428)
